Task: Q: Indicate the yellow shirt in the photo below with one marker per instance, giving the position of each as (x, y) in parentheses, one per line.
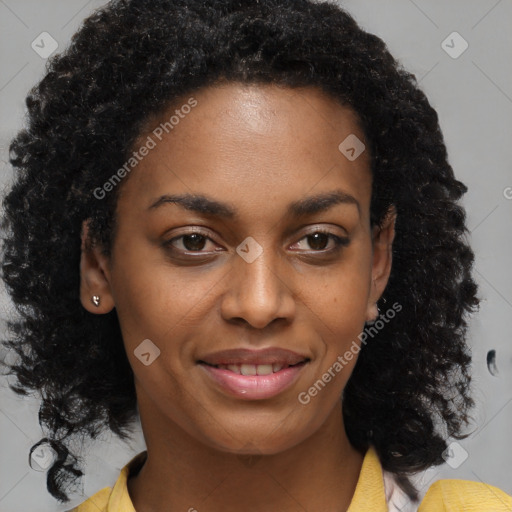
(369, 496)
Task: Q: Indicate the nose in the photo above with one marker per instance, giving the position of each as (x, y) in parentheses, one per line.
(259, 292)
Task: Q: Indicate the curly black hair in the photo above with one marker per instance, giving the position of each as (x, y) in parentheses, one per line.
(410, 389)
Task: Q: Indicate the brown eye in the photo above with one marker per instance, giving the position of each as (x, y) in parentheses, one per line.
(194, 242)
(318, 241)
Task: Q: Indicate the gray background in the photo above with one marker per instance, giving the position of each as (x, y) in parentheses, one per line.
(473, 96)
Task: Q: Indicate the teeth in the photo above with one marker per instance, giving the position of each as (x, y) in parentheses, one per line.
(264, 369)
(252, 369)
(248, 369)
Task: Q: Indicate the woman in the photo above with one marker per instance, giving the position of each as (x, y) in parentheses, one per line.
(237, 219)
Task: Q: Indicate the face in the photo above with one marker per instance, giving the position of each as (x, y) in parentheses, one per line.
(243, 239)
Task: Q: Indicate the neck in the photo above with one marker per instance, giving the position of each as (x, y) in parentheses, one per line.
(182, 473)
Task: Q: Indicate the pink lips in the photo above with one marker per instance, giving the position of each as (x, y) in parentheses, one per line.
(254, 387)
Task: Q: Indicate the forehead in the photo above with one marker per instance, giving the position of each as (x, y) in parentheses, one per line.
(254, 143)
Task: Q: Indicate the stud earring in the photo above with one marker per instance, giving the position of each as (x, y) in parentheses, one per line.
(95, 299)
(376, 310)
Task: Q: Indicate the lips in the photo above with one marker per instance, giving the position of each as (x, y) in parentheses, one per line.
(253, 374)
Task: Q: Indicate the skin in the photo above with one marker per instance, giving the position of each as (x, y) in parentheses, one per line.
(257, 148)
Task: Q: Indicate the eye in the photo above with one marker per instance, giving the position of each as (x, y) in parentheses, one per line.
(319, 240)
(195, 241)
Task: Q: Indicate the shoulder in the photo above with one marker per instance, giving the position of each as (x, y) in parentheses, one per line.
(465, 496)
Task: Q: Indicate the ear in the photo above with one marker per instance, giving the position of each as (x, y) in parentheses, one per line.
(94, 275)
(382, 242)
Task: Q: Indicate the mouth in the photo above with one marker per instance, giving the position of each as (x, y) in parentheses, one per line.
(253, 375)
(241, 360)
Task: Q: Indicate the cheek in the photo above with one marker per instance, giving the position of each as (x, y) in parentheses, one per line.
(152, 298)
(158, 308)
(340, 304)
(339, 296)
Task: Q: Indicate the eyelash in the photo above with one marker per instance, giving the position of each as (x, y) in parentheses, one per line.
(338, 241)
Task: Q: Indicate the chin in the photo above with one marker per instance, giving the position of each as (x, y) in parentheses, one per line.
(269, 440)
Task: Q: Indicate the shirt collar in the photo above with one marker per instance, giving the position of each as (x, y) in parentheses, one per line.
(369, 493)
(120, 498)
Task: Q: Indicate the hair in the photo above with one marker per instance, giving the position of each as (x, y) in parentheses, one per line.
(410, 388)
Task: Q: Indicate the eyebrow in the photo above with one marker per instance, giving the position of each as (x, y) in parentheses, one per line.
(207, 206)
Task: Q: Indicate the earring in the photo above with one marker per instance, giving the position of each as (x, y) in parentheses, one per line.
(95, 299)
(375, 308)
